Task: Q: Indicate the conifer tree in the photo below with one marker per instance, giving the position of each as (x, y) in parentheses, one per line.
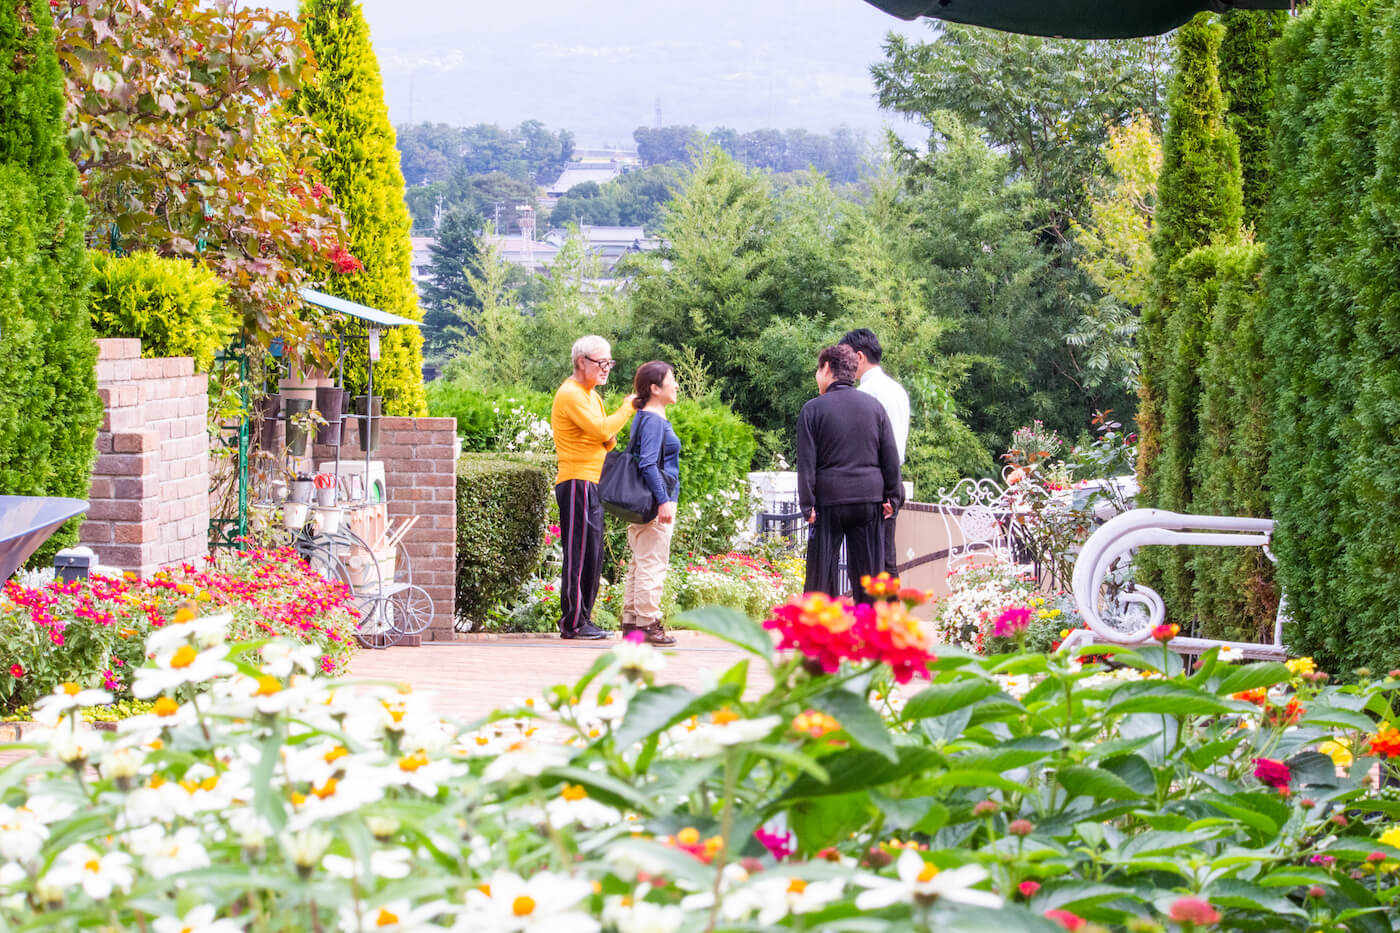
(1198, 203)
(1246, 80)
(447, 293)
(346, 101)
(49, 408)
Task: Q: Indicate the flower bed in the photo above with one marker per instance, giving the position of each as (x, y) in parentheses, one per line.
(1011, 792)
(981, 593)
(93, 632)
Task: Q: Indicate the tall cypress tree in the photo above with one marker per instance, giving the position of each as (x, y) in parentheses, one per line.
(1246, 79)
(1198, 203)
(346, 101)
(49, 408)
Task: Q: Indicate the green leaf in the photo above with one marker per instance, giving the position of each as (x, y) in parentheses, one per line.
(1313, 769)
(859, 769)
(1157, 840)
(1319, 715)
(945, 698)
(978, 779)
(1244, 812)
(1252, 677)
(826, 821)
(737, 675)
(1095, 782)
(859, 720)
(1147, 696)
(658, 708)
(1134, 770)
(732, 626)
(1231, 892)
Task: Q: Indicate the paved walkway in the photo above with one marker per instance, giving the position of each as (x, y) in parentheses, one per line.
(473, 677)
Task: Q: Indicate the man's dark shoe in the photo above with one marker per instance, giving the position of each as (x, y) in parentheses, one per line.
(587, 631)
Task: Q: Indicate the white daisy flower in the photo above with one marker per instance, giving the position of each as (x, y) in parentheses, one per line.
(707, 739)
(281, 657)
(1230, 653)
(203, 631)
(923, 882)
(779, 896)
(169, 855)
(398, 916)
(631, 915)
(574, 807)
(178, 666)
(98, 874)
(65, 697)
(22, 833)
(543, 903)
(199, 919)
(525, 758)
(383, 863)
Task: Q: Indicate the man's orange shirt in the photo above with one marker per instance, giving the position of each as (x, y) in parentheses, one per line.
(583, 431)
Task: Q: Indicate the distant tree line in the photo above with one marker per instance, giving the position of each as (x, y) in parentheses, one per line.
(434, 152)
(839, 155)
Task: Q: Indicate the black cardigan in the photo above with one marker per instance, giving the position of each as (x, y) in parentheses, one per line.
(845, 450)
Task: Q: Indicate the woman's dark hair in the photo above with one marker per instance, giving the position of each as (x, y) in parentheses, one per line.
(842, 361)
(649, 376)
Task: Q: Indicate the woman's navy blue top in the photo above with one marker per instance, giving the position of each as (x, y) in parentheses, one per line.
(658, 453)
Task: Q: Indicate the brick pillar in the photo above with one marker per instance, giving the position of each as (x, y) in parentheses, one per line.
(150, 484)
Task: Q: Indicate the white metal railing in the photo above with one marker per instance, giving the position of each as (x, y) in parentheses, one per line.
(1137, 528)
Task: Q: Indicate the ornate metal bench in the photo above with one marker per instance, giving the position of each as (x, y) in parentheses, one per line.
(1137, 528)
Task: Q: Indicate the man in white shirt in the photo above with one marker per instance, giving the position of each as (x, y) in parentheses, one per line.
(895, 400)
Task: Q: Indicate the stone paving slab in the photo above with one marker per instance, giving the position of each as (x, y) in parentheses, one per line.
(471, 677)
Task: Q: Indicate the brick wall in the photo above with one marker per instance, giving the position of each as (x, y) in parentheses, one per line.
(150, 486)
(420, 479)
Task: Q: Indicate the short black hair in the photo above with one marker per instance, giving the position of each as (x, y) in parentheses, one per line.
(863, 340)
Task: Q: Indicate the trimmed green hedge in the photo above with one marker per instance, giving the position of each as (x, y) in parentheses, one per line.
(479, 414)
(1332, 329)
(175, 307)
(501, 507)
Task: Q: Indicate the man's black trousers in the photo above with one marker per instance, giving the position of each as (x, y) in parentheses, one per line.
(581, 533)
(860, 526)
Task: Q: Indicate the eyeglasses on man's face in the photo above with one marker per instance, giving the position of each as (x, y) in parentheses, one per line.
(601, 364)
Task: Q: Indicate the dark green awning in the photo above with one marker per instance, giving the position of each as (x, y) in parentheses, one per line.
(1071, 19)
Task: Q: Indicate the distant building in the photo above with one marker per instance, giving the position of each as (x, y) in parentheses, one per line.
(576, 173)
(608, 243)
(422, 266)
(625, 157)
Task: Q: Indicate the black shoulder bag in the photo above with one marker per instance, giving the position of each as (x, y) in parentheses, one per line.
(623, 490)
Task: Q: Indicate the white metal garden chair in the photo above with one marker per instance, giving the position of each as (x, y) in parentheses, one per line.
(972, 513)
(1136, 528)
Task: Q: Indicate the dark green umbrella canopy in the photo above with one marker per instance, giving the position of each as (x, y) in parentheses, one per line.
(1072, 19)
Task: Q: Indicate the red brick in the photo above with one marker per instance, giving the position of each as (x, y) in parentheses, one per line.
(136, 442)
(134, 533)
(142, 487)
(124, 510)
(433, 508)
(125, 556)
(94, 533)
(119, 465)
(118, 348)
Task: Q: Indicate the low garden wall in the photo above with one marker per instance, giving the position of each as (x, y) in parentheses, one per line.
(149, 497)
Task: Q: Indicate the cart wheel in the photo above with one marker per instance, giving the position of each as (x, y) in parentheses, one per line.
(413, 610)
(320, 553)
(403, 565)
(376, 628)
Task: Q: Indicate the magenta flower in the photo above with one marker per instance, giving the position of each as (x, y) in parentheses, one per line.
(778, 846)
(1012, 621)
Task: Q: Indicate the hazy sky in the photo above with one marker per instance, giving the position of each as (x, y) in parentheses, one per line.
(600, 67)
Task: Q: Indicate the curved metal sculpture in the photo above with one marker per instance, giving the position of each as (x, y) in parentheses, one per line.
(1142, 527)
(1073, 19)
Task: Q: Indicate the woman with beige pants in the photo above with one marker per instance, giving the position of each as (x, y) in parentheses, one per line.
(658, 458)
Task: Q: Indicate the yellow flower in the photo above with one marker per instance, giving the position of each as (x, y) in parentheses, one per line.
(1299, 666)
(1341, 756)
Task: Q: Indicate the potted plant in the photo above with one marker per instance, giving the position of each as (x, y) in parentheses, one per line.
(368, 410)
(325, 489)
(299, 426)
(330, 402)
(300, 488)
(267, 410)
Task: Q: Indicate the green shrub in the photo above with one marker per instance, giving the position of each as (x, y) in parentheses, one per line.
(502, 503)
(175, 307)
(482, 415)
(1331, 331)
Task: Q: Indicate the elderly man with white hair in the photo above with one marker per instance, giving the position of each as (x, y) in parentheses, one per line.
(583, 434)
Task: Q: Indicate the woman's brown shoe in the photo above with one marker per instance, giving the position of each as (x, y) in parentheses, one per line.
(657, 635)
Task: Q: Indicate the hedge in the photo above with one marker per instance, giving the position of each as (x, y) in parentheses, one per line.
(1198, 204)
(49, 407)
(175, 307)
(501, 507)
(1234, 594)
(480, 414)
(1332, 326)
